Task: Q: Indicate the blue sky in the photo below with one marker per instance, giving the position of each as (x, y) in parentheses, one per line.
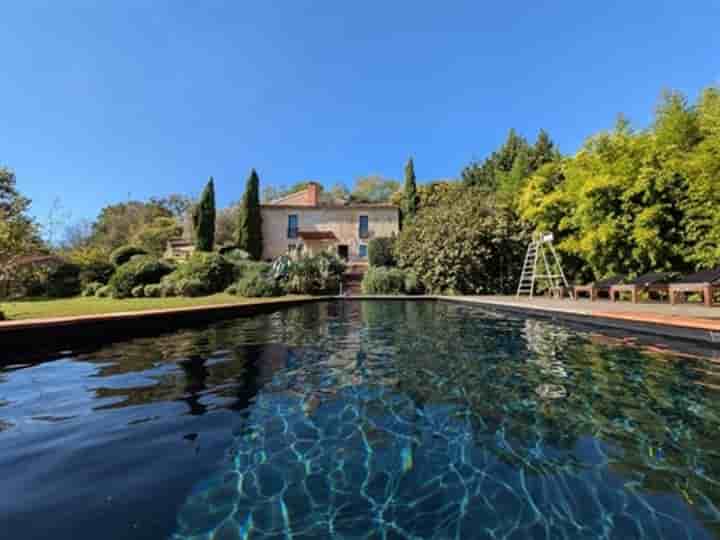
(105, 100)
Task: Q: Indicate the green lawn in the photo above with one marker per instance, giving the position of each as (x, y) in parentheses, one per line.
(66, 307)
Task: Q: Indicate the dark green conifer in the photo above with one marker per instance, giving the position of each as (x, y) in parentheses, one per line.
(204, 219)
(249, 231)
(410, 194)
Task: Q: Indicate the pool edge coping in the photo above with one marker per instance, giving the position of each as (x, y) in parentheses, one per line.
(14, 332)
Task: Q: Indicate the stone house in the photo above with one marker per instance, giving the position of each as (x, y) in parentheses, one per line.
(301, 222)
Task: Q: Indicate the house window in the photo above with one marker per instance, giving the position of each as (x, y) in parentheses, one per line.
(292, 226)
(364, 229)
(362, 251)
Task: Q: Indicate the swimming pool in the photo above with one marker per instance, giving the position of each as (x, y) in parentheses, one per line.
(374, 419)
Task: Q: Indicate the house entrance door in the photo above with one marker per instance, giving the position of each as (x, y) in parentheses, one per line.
(343, 252)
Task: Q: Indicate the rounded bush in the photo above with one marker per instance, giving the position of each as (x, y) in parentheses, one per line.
(96, 272)
(212, 270)
(138, 291)
(257, 286)
(190, 287)
(64, 281)
(123, 254)
(153, 290)
(380, 280)
(232, 289)
(92, 288)
(104, 292)
(142, 270)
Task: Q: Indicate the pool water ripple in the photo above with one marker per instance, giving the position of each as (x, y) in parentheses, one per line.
(363, 420)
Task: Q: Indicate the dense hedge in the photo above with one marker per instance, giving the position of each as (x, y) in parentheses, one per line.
(381, 251)
(96, 272)
(141, 270)
(64, 281)
(124, 253)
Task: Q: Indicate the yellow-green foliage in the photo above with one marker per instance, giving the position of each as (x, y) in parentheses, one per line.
(635, 201)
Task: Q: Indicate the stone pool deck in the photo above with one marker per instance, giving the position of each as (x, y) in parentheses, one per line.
(684, 321)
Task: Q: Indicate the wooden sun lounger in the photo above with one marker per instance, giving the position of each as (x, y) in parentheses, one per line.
(652, 282)
(705, 282)
(593, 289)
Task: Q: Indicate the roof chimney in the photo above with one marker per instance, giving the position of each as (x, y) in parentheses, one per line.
(313, 194)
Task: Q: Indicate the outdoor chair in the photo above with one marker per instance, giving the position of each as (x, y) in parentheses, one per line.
(654, 282)
(593, 289)
(705, 282)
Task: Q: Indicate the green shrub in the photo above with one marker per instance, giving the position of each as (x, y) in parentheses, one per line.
(96, 272)
(153, 290)
(168, 288)
(212, 270)
(190, 287)
(92, 288)
(469, 244)
(141, 270)
(381, 280)
(138, 291)
(234, 254)
(64, 280)
(314, 274)
(256, 286)
(251, 268)
(381, 251)
(412, 283)
(124, 253)
(105, 291)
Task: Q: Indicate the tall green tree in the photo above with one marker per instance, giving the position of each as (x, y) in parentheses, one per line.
(204, 219)
(373, 189)
(490, 173)
(543, 151)
(19, 234)
(249, 230)
(410, 193)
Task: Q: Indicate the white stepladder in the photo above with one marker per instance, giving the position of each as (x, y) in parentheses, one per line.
(551, 273)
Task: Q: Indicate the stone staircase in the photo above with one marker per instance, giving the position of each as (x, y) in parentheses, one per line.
(353, 278)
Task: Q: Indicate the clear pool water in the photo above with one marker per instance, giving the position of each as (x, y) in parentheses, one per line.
(362, 420)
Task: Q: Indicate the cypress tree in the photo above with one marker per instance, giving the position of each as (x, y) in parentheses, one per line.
(204, 219)
(410, 195)
(249, 231)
